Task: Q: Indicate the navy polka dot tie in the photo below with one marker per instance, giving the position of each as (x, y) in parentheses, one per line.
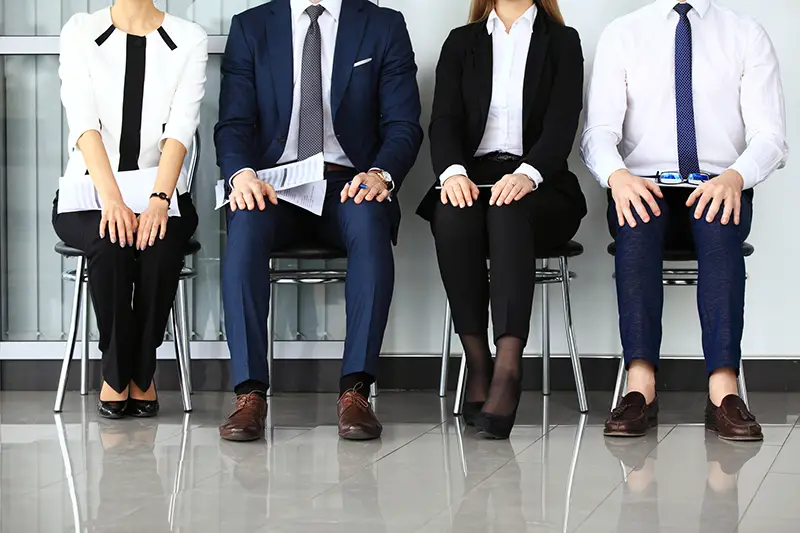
(312, 128)
(687, 135)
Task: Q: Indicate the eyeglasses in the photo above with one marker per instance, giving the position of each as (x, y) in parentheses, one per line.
(675, 178)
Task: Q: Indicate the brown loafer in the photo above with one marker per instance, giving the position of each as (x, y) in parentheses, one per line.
(632, 417)
(732, 420)
(248, 419)
(357, 421)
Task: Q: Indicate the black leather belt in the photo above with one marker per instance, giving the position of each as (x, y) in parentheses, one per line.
(331, 167)
(500, 157)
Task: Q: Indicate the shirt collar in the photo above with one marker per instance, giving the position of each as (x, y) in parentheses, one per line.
(334, 7)
(667, 7)
(494, 22)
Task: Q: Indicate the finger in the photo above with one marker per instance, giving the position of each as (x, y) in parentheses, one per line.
(154, 232)
(362, 194)
(459, 194)
(240, 202)
(628, 214)
(141, 235)
(638, 205)
(374, 192)
(702, 203)
(518, 190)
(232, 201)
(122, 236)
(249, 201)
(653, 187)
(272, 195)
(112, 229)
(130, 227)
(443, 196)
(466, 191)
(521, 194)
(694, 196)
(383, 196)
(163, 232)
(103, 222)
(475, 191)
(343, 196)
(651, 201)
(501, 198)
(496, 189)
(451, 195)
(737, 210)
(258, 195)
(355, 186)
(716, 204)
(620, 216)
(727, 211)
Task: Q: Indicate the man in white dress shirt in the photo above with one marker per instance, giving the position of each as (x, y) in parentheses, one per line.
(685, 117)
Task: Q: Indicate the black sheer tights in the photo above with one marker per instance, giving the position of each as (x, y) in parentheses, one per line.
(479, 366)
(506, 383)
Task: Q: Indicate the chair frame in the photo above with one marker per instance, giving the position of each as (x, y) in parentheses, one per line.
(671, 277)
(298, 276)
(545, 277)
(80, 310)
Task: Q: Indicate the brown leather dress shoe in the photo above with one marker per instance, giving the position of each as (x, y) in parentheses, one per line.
(247, 420)
(732, 420)
(632, 417)
(357, 421)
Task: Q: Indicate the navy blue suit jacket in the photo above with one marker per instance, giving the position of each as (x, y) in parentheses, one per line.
(376, 107)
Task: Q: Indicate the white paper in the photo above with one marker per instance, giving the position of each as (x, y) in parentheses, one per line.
(77, 193)
(295, 174)
(302, 184)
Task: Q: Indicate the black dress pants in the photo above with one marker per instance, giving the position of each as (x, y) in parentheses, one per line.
(508, 236)
(132, 290)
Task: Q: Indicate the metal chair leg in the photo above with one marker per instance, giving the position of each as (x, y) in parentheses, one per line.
(186, 396)
(183, 318)
(84, 335)
(72, 333)
(461, 385)
(583, 404)
(743, 386)
(374, 390)
(271, 337)
(545, 334)
(618, 387)
(446, 335)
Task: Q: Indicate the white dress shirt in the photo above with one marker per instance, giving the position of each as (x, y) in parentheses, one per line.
(329, 28)
(103, 87)
(504, 125)
(738, 96)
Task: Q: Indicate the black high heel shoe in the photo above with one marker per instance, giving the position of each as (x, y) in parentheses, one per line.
(498, 427)
(470, 412)
(142, 408)
(112, 410)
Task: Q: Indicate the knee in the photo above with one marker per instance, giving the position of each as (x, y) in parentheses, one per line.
(365, 223)
(105, 251)
(250, 229)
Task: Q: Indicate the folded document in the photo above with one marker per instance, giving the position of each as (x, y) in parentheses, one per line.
(77, 193)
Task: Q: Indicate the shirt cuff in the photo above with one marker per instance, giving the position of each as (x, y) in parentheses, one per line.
(230, 181)
(534, 175)
(749, 171)
(452, 170)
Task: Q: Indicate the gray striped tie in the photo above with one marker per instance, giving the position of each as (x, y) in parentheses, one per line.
(312, 129)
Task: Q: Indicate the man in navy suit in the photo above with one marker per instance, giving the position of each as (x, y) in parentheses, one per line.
(300, 77)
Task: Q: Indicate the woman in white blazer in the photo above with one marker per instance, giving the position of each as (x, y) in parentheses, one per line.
(132, 79)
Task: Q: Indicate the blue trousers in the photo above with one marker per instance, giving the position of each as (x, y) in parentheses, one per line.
(363, 230)
(721, 277)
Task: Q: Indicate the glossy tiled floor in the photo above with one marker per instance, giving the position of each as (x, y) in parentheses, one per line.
(74, 472)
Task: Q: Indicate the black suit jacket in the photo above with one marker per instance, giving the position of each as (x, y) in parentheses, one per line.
(552, 104)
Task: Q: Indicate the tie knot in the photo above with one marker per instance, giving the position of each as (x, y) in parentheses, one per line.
(315, 12)
(683, 9)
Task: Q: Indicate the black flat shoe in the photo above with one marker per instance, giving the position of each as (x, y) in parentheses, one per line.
(112, 410)
(495, 427)
(142, 408)
(470, 412)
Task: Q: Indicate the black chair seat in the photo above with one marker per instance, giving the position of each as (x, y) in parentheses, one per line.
(685, 255)
(192, 247)
(309, 251)
(571, 249)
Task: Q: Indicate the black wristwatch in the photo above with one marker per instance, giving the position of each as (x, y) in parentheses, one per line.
(161, 195)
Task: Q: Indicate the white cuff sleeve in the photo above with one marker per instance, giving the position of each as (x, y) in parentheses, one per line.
(452, 170)
(230, 181)
(534, 175)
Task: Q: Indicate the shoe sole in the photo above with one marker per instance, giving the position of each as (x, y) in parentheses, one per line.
(141, 415)
(112, 417)
(630, 435)
(741, 438)
(239, 437)
(358, 435)
(491, 436)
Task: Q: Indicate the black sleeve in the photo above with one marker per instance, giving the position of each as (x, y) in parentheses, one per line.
(447, 116)
(564, 110)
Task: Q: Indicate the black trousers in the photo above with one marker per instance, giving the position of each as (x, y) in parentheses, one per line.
(509, 237)
(131, 322)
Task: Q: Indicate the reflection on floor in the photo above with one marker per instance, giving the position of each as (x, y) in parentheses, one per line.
(76, 472)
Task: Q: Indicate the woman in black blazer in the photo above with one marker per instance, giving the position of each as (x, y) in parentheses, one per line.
(508, 96)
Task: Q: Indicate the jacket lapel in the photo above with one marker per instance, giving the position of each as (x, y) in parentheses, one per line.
(281, 61)
(483, 63)
(537, 54)
(352, 24)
